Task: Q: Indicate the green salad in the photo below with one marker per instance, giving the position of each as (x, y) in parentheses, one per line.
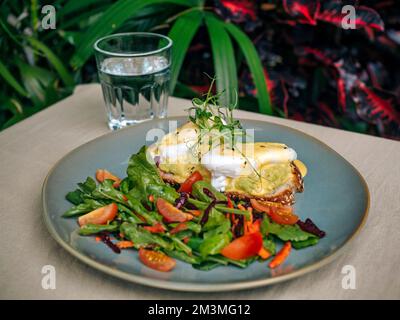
(191, 222)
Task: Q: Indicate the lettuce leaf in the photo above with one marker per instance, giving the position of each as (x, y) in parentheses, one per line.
(86, 206)
(214, 244)
(146, 178)
(198, 192)
(306, 243)
(85, 189)
(285, 232)
(141, 237)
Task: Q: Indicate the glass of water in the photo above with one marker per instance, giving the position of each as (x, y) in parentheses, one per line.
(134, 74)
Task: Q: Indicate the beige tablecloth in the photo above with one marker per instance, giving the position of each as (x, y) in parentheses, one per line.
(29, 149)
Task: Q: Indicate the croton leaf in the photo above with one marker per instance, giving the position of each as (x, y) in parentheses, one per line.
(341, 93)
(320, 55)
(277, 91)
(305, 11)
(242, 12)
(331, 11)
(327, 115)
(237, 10)
(375, 105)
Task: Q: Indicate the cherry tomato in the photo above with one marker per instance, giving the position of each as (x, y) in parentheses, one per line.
(103, 174)
(283, 216)
(157, 228)
(99, 216)
(186, 186)
(244, 247)
(170, 213)
(156, 260)
(277, 212)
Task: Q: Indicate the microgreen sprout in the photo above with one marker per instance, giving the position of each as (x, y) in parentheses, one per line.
(216, 123)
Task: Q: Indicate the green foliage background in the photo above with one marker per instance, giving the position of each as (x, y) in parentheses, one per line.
(39, 67)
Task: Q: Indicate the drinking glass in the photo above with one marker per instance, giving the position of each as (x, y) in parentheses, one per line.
(134, 72)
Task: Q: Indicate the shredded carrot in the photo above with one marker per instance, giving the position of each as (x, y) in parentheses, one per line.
(230, 203)
(281, 255)
(124, 244)
(124, 197)
(151, 198)
(255, 226)
(264, 253)
(98, 239)
(121, 235)
(248, 223)
(196, 213)
(157, 228)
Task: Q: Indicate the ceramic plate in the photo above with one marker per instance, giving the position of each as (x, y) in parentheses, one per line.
(336, 198)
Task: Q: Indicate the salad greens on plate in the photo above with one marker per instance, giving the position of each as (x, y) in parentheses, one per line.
(192, 222)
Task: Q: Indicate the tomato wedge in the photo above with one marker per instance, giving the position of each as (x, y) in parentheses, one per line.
(277, 212)
(244, 247)
(157, 228)
(170, 213)
(99, 216)
(156, 260)
(186, 186)
(103, 174)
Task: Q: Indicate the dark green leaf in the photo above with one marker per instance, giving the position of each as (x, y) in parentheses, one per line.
(214, 244)
(224, 61)
(75, 197)
(82, 208)
(77, 6)
(194, 243)
(54, 60)
(198, 191)
(105, 190)
(141, 237)
(89, 229)
(207, 265)
(88, 186)
(9, 78)
(147, 179)
(189, 22)
(128, 215)
(110, 20)
(179, 245)
(180, 255)
(285, 232)
(222, 228)
(269, 244)
(36, 80)
(255, 66)
(215, 219)
(306, 243)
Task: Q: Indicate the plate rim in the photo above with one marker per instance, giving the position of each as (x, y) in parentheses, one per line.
(192, 286)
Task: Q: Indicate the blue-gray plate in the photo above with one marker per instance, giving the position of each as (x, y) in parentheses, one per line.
(336, 198)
